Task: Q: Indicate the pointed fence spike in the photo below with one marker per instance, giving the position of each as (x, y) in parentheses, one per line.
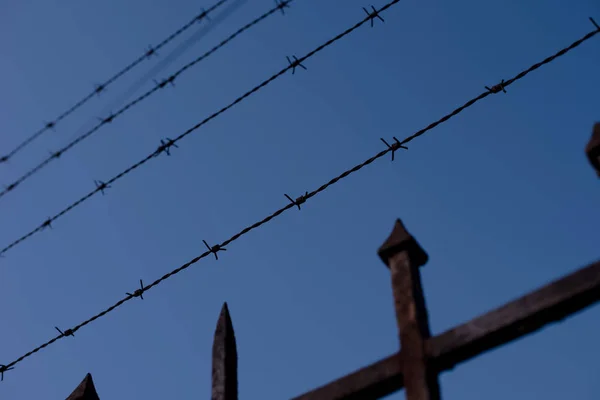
(85, 391)
(224, 359)
(400, 240)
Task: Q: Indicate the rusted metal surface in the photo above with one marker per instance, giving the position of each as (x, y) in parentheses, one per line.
(85, 391)
(593, 148)
(400, 240)
(377, 380)
(224, 359)
(518, 318)
(403, 255)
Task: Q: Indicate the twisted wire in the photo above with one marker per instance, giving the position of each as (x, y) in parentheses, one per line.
(296, 203)
(100, 88)
(164, 147)
(160, 85)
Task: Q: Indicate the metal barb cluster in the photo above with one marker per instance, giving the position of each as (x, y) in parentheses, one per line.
(294, 64)
(203, 15)
(138, 292)
(170, 80)
(300, 200)
(101, 186)
(215, 249)
(165, 146)
(68, 332)
(151, 52)
(47, 224)
(395, 146)
(99, 88)
(3, 369)
(139, 99)
(497, 88)
(108, 119)
(282, 4)
(372, 15)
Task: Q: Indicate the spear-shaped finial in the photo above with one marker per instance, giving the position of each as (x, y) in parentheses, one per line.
(85, 391)
(224, 359)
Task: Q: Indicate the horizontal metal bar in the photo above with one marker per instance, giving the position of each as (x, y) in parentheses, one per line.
(374, 381)
(516, 319)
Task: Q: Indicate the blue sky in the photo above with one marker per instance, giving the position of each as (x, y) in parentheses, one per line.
(501, 197)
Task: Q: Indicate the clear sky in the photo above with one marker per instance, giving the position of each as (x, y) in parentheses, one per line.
(501, 197)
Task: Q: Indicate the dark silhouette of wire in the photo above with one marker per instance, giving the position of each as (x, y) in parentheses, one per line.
(166, 145)
(100, 88)
(501, 87)
(139, 99)
(172, 56)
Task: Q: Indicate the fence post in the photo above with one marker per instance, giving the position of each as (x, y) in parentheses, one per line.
(85, 391)
(403, 256)
(224, 359)
(593, 148)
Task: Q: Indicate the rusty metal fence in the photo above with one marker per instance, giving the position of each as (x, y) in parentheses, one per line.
(416, 367)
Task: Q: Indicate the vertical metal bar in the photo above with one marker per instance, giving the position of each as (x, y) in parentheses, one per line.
(403, 255)
(85, 391)
(224, 359)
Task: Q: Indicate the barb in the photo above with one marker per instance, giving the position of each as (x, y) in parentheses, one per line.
(101, 87)
(203, 122)
(294, 64)
(68, 332)
(165, 147)
(101, 186)
(138, 292)
(282, 4)
(300, 200)
(213, 250)
(394, 146)
(131, 104)
(372, 15)
(47, 224)
(150, 52)
(3, 369)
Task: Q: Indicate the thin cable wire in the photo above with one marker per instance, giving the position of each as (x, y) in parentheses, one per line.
(100, 88)
(168, 59)
(296, 203)
(165, 146)
(160, 85)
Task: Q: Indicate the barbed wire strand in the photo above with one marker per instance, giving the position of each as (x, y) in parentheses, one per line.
(166, 145)
(159, 85)
(100, 88)
(501, 87)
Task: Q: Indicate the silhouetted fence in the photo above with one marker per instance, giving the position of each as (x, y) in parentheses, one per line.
(422, 358)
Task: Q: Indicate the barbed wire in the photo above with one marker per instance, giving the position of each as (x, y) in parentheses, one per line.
(167, 143)
(102, 87)
(280, 5)
(397, 144)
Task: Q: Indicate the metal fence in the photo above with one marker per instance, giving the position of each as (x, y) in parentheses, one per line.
(416, 367)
